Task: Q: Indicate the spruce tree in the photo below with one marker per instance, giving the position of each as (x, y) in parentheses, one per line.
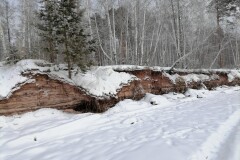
(48, 14)
(71, 35)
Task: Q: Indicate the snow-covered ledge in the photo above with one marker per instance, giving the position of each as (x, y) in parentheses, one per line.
(33, 84)
(98, 81)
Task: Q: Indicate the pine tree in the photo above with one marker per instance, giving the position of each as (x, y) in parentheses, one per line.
(71, 35)
(48, 15)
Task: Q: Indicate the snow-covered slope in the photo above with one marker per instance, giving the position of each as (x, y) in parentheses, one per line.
(168, 127)
(98, 81)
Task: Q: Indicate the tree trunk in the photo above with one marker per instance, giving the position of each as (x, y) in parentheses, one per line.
(219, 35)
(8, 25)
(143, 37)
(110, 32)
(68, 55)
(114, 37)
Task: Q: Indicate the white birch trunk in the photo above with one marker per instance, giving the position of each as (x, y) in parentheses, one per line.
(114, 38)
(126, 39)
(100, 42)
(136, 33)
(110, 31)
(2, 37)
(89, 18)
(143, 37)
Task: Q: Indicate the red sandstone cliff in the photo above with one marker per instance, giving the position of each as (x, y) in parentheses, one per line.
(47, 91)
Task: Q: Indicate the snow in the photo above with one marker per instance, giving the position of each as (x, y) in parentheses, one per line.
(101, 82)
(218, 138)
(196, 93)
(2, 64)
(98, 81)
(135, 67)
(161, 69)
(169, 127)
(191, 77)
(233, 74)
(156, 100)
(11, 76)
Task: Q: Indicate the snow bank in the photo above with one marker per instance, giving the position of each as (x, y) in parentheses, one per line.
(98, 81)
(156, 100)
(204, 76)
(174, 96)
(149, 100)
(191, 77)
(233, 75)
(11, 75)
(127, 105)
(196, 93)
(102, 81)
(135, 67)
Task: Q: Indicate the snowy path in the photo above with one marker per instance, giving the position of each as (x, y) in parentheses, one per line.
(178, 128)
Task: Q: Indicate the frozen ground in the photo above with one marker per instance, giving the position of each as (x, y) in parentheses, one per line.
(168, 127)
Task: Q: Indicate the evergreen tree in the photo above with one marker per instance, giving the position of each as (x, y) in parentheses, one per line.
(71, 34)
(48, 15)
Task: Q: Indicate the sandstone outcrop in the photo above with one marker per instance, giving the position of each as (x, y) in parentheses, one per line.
(47, 92)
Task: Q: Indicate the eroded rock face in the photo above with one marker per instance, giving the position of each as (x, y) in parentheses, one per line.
(45, 92)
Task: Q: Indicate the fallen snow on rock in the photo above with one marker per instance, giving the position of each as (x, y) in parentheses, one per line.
(233, 75)
(98, 81)
(11, 75)
(176, 127)
(194, 75)
(191, 77)
(102, 81)
(135, 67)
(196, 78)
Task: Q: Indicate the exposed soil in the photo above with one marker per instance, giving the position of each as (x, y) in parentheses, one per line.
(45, 92)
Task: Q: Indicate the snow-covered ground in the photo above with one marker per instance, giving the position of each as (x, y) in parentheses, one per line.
(167, 127)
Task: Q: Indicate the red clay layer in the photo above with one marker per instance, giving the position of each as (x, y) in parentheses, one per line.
(49, 93)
